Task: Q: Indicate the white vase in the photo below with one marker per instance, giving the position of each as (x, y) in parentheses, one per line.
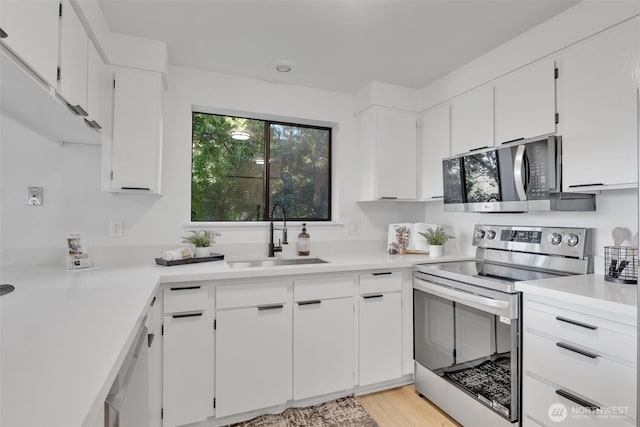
(203, 252)
(435, 250)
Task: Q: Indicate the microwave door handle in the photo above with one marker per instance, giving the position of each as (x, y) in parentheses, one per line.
(518, 172)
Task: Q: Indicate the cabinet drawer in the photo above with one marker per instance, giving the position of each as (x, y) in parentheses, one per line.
(599, 379)
(186, 298)
(251, 294)
(584, 330)
(323, 288)
(380, 281)
(538, 398)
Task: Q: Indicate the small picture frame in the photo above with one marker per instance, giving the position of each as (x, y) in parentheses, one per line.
(77, 255)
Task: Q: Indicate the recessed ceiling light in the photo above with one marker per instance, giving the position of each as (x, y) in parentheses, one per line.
(241, 135)
(283, 66)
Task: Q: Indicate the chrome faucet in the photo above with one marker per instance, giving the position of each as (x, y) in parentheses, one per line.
(272, 248)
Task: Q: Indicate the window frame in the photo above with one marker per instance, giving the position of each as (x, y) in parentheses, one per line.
(266, 170)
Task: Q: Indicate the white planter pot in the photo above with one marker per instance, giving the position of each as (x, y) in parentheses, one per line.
(435, 250)
(203, 252)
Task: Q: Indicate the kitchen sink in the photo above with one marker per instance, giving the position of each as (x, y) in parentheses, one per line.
(275, 262)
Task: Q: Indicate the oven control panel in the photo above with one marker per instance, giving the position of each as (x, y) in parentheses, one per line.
(562, 241)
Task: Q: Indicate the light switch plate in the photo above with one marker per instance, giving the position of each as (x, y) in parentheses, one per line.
(35, 196)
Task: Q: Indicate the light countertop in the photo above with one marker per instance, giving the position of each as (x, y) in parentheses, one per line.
(65, 334)
(588, 290)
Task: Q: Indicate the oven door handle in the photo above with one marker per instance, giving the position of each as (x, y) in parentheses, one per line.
(494, 306)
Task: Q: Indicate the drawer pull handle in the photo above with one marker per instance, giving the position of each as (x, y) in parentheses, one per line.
(576, 323)
(386, 273)
(270, 307)
(576, 399)
(3, 34)
(184, 289)
(373, 296)
(153, 301)
(315, 301)
(150, 338)
(577, 350)
(178, 316)
(136, 188)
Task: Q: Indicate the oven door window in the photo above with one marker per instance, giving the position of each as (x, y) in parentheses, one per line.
(481, 177)
(470, 348)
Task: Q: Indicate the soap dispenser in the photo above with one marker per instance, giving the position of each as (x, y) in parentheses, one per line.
(304, 241)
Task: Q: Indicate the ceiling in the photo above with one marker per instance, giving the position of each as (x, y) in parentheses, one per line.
(335, 45)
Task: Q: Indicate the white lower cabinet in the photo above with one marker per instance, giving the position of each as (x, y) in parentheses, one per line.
(576, 360)
(253, 347)
(188, 376)
(380, 327)
(323, 336)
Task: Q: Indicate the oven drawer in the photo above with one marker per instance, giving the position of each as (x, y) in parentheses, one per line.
(539, 397)
(596, 377)
(604, 336)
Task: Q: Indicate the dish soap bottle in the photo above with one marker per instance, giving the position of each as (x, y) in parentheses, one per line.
(304, 241)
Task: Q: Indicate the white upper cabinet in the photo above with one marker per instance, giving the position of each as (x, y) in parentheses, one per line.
(74, 44)
(599, 117)
(137, 131)
(388, 149)
(30, 30)
(99, 84)
(526, 103)
(472, 120)
(435, 147)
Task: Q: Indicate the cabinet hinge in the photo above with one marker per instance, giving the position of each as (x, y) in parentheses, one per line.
(162, 330)
(162, 413)
(215, 325)
(58, 74)
(555, 72)
(111, 175)
(153, 301)
(557, 118)
(214, 403)
(114, 83)
(60, 10)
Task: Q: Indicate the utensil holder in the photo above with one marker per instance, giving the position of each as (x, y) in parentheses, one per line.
(621, 264)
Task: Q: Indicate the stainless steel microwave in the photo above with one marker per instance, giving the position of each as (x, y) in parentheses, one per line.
(518, 176)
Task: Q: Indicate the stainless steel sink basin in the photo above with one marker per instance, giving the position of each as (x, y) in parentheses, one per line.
(276, 262)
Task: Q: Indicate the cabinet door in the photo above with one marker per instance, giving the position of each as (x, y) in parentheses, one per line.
(323, 347)
(137, 130)
(253, 358)
(395, 158)
(31, 29)
(98, 85)
(472, 120)
(74, 44)
(435, 147)
(526, 103)
(154, 345)
(380, 340)
(188, 368)
(600, 110)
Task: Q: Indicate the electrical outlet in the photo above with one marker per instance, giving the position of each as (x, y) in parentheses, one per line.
(115, 229)
(353, 228)
(35, 196)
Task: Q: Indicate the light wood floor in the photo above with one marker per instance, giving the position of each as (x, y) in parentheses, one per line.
(403, 407)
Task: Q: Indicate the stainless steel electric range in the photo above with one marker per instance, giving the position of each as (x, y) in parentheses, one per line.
(467, 318)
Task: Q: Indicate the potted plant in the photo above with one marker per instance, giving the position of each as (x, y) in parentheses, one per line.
(436, 239)
(202, 240)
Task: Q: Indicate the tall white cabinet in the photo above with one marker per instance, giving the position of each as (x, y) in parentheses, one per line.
(136, 148)
(387, 153)
(600, 111)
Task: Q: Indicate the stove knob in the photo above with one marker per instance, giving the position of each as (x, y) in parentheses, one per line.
(572, 239)
(555, 238)
(491, 234)
(479, 234)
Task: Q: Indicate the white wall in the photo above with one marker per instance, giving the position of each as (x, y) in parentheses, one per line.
(70, 174)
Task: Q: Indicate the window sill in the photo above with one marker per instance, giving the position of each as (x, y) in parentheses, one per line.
(254, 225)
